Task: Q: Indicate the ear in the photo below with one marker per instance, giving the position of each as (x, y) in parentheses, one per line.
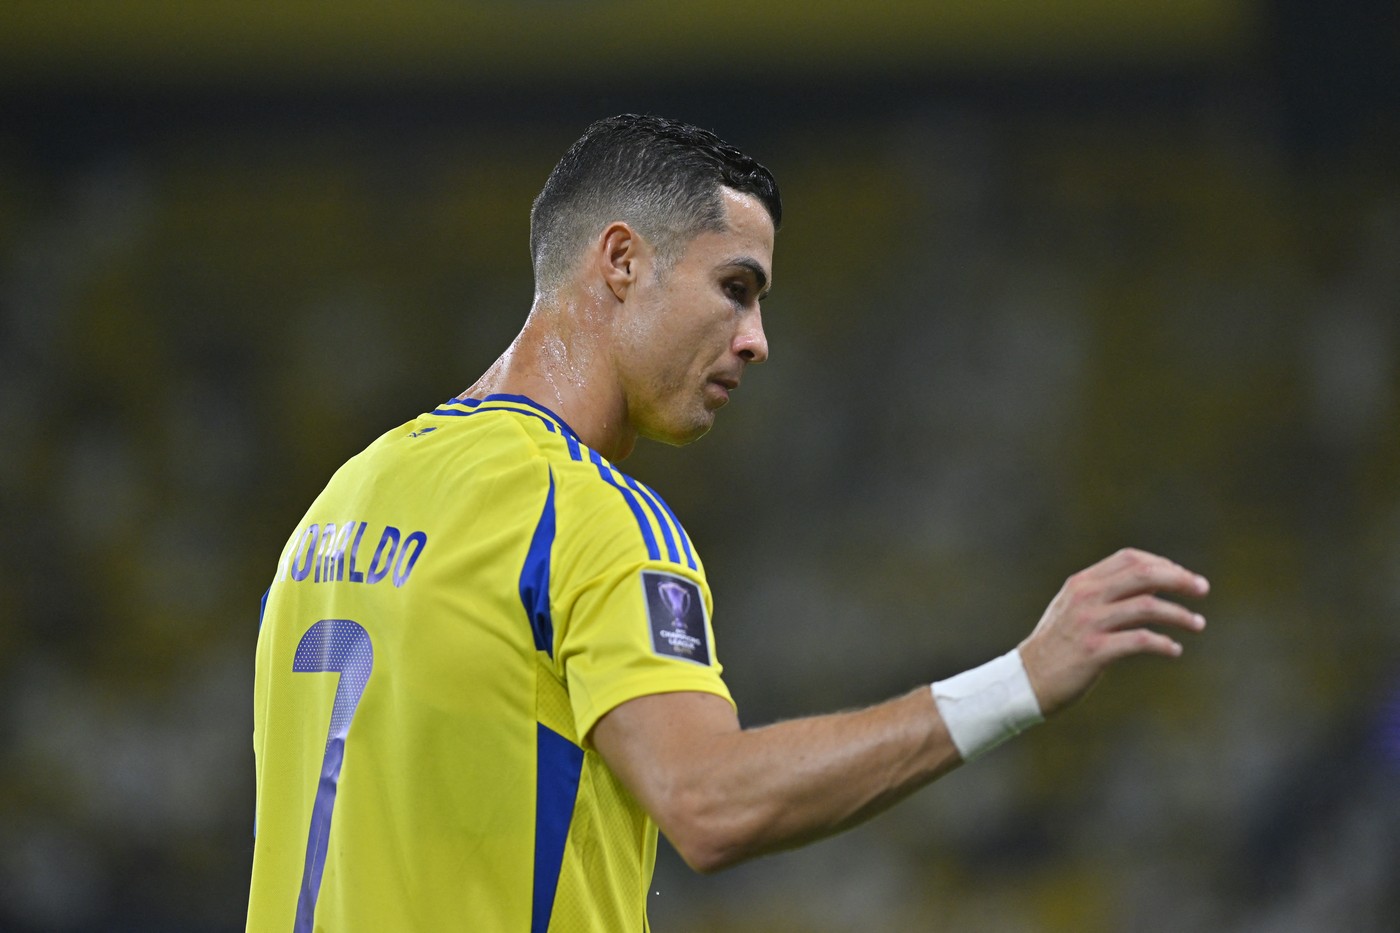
(622, 254)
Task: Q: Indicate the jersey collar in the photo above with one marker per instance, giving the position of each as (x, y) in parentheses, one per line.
(505, 402)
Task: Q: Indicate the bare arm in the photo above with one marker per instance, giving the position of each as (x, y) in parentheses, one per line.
(723, 794)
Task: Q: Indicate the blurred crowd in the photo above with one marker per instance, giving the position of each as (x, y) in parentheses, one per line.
(1004, 343)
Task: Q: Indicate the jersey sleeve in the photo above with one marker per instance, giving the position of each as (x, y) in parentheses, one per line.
(630, 620)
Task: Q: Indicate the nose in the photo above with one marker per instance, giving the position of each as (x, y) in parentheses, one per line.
(750, 343)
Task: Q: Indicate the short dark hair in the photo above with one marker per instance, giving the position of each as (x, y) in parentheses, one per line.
(661, 176)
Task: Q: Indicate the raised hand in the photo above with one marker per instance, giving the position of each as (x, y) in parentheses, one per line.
(1103, 614)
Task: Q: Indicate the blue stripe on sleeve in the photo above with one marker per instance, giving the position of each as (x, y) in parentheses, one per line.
(534, 576)
(650, 499)
(558, 766)
(680, 529)
(606, 471)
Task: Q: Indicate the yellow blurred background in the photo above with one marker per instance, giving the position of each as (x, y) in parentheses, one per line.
(1054, 278)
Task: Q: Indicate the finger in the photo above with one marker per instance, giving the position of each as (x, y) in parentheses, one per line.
(1132, 572)
(1150, 610)
(1139, 641)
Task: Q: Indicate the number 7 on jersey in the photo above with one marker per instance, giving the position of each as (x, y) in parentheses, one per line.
(342, 647)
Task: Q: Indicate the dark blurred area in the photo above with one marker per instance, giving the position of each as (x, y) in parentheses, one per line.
(1054, 279)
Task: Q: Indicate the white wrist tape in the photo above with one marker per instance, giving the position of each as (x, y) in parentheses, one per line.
(987, 705)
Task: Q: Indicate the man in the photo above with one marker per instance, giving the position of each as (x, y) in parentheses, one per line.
(486, 671)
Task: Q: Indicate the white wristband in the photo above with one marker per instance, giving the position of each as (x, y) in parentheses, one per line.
(987, 705)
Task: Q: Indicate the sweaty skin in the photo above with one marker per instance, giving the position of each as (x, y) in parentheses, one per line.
(627, 349)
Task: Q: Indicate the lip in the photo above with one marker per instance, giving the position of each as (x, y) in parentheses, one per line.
(724, 386)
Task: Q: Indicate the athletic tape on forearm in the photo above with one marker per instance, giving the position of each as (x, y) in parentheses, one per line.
(987, 705)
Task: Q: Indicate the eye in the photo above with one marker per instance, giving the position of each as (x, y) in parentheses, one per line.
(738, 292)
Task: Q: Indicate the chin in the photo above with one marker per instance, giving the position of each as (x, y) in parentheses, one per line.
(682, 432)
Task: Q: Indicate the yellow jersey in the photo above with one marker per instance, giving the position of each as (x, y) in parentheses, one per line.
(457, 609)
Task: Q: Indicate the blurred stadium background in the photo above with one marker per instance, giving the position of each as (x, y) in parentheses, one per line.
(1055, 278)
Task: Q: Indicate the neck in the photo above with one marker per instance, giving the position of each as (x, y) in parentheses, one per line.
(557, 359)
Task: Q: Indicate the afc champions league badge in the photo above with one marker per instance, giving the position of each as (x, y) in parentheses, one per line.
(676, 613)
(677, 600)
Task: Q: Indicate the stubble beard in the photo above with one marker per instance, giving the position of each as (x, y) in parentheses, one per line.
(686, 418)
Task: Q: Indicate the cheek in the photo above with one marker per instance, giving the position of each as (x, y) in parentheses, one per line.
(702, 346)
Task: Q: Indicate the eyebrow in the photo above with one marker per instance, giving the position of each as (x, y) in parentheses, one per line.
(760, 276)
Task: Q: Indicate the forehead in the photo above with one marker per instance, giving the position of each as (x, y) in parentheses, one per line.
(748, 234)
(747, 217)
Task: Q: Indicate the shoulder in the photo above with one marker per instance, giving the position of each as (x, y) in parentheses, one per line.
(601, 498)
(601, 511)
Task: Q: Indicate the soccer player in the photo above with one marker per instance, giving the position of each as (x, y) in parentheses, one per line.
(486, 671)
